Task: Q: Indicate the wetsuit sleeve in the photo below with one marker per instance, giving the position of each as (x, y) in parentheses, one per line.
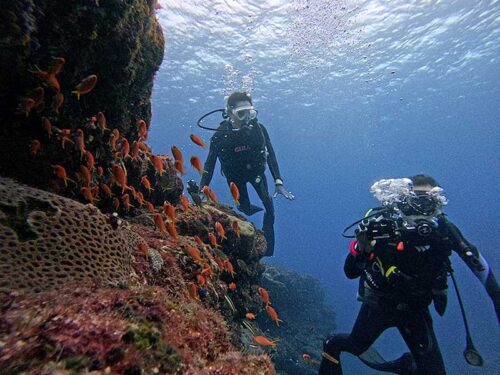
(477, 264)
(353, 268)
(271, 157)
(208, 168)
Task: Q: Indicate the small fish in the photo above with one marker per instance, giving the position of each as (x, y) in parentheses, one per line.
(220, 263)
(232, 286)
(143, 147)
(235, 192)
(101, 121)
(125, 148)
(88, 194)
(107, 190)
(150, 207)
(250, 315)
(208, 271)
(264, 295)
(307, 358)
(126, 202)
(264, 341)
(179, 167)
(143, 248)
(116, 203)
(273, 315)
(80, 142)
(60, 172)
(56, 65)
(177, 153)
(100, 171)
(169, 210)
(184, 202)
(197, 140)
(201, 279)
(145, 182)
(229, 267)
(193, 253)
(196, 164)
(140, 199)
(193, 291)
(157, 163)
(85, 86)
(236, 228)
(135, 150)
(35, 146)
(159, 223)
(199, 241)
(120, 177)
(220, 230)
(64, 136)
(172, 231)
(57, 102)
(90, 160)
(48, 77)
(85, 175)
(47, 125)
(213, 240)
(142, 131)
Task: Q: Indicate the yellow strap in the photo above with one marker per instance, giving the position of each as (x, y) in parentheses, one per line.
(330, 358)
(390, 270)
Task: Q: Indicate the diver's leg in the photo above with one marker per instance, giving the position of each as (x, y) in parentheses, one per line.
(245, 206)
(369, 325)
(260, 185)
(418, 333)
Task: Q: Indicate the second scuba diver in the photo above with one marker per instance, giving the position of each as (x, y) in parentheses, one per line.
(243, 147)
(401, 255)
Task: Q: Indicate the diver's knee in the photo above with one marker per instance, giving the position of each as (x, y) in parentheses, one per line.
(331, 344)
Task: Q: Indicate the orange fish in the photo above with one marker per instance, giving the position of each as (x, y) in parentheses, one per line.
(157, 163)
(87, 194)
(143, 248)
(57, 102)
(47, 125)
(150, 207)
(85, 86)
(25, 106)
(160, 224)
(229, 267)
(143, 147)
(140, 198)
(250, 315)
(115, 134)
(208, 271)
(232, 286)
(213, 240)
(135, 150)
(101, 121)
(184, 202)
(273, 315)
(210, 194)
(64, 135)
(126, 202)
(38, 95)
(199, 241)
(236, 227)
(100, 171)
(220, 230)
(56, 65)
(35, 146)
(193, 291)
(107, 190)
(125, 148)
(80, 142)
(235, 192)
(116, 203)
(196, 163)
(90, 160)
(179, 167)
(61, 173)
(48, 77)
(193, 253)
(201, 279)
(120, 177)
(133, 191)
(169, 210)
(197, 140)
(220, 263)
(264, 295)
(264, 341)
(142, 129)
(85, 175)
(145, 182)
(177, 153)
(172, 231)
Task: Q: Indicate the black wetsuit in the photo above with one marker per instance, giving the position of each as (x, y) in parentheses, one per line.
(243, 155)
(399, 297)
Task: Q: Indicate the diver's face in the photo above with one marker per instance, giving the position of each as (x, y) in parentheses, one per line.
(422, 188)
(239, 113)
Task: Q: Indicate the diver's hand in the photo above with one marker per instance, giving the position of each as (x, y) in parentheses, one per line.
(364, 243)
(281, 190)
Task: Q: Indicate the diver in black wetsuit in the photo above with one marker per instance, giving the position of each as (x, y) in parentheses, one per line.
(401, 255)
(243, 147)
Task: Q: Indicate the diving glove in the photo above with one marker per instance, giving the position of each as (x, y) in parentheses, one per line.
(281, 190)
(364, 244)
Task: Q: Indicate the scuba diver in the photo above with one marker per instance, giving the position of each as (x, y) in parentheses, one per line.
(243, 147)
(401, 255)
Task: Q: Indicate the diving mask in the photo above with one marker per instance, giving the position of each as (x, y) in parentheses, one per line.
(423, 203)
(245, 113)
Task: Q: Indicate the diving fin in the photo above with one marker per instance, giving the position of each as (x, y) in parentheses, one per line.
(250, 210)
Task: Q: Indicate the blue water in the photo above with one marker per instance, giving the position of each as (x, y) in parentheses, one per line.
(352, 92)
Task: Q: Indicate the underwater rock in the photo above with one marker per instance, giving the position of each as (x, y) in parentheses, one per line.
(48, 241)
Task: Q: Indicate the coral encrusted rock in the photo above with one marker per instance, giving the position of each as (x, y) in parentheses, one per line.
(47, 241)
